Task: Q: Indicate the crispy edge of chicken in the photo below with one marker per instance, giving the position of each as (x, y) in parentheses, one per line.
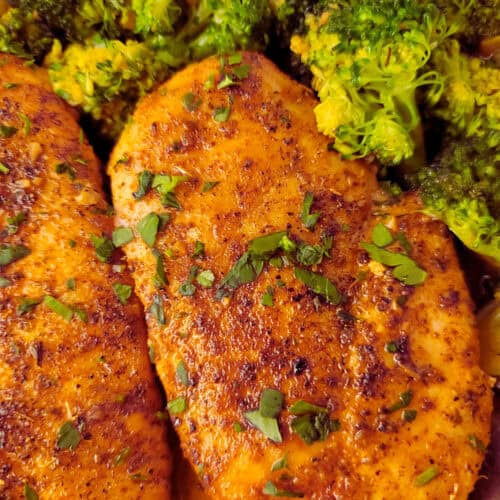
(258, 141)
(77, 392)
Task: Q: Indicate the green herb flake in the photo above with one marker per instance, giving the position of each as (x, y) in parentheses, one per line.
(159, 278)
(221, 114)
(271, 403)
(244, 271)
(182, 373)
(265, 246)
(308, 219)
(81, 314)
(267, 298)
(409, 415)
(476, 443)
(103, 247)
(210, 82)
(267, 425)
(382, 236)
(68, 437)
(144, 181)
(226, 81)
(403, 241)
(309, 255)
(165, 186)
(14, 222)
(199, 249)
(405, 398)
(271, 490)
(206, 278)
(26, 123)
(12, 253)
(26, 305)
(320, 285)
(405, 269)
(4, 282)
(187, 289)
(238, 427)
(148, 228)
(72, 243)
(122, 291)
(302, 407)
(208, 185)
(191, 102)
(156, 309)
(66, 168)
(426, 477)
(9, 85)
(29, 492)
(177, 405)
(280, 464)
(391, 347)
(4, 169)
(121, 236)
(58, 307)
(81, 137)
(241, 72)
(234, 59)
(314, 427)
(6, 131)
(121, 457)
(70, 283)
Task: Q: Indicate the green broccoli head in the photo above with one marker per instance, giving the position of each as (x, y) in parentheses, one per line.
(463, 189)
(368, 60)
(470, 103)
(223, 26)
(155, 16)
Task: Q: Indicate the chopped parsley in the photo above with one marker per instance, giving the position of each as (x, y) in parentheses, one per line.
(11, 253)
(4, 169)
(409, 415)
(121, 236)
(191, 102)
(122, 456)
(14, 222)
(68, 437)
(405, 399)
(165, 186)
(381, 236)
(208, 185)
(427, 476)
(199, 249)
(58, 307)
(280, 464)
(6, 131)
(177, 405)
(271, 490)
(4, 282)
(70, 283)
(265, 418)
(267, 298)
(320, 285)
(66, 168)
(26, 305)
(308, 219)
(476, 443)
(311, 422)
(206, 278)
(156, 309)
(221, 114)
(144, 179)
(182, 373)
(103, 247)
(238, 427)
(160, 278)
(26, 122)
(122, 291)
(148, 228)
(29, 492)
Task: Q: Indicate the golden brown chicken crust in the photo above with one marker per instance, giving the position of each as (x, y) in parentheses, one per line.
(265, 158)
(95, 373)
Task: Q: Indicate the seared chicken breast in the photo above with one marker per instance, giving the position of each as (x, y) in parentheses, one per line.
(77, 392)
(314, 334)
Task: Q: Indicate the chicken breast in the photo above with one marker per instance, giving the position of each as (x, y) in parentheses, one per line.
(296, 363)
(77, 392)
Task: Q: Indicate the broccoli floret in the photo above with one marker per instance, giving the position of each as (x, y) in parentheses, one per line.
(223, 26)
(155, 16)
(463, 188)
(368, 60)
(104, 77)
(470, 103)
(23, 35)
